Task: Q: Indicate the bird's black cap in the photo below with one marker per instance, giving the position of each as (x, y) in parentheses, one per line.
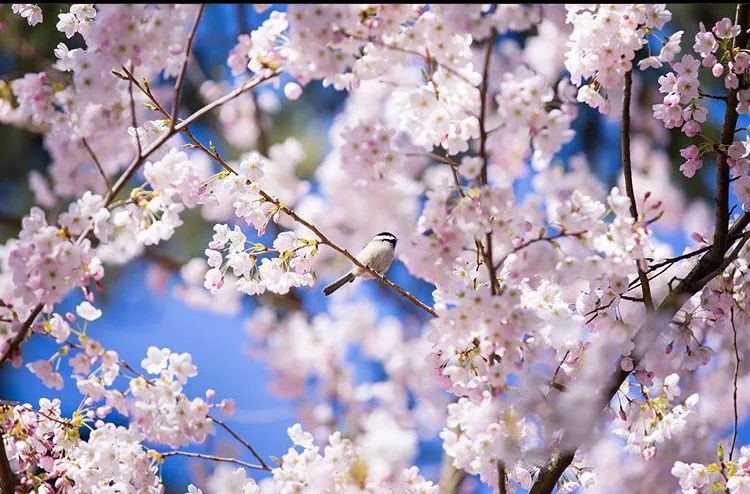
(387, 237)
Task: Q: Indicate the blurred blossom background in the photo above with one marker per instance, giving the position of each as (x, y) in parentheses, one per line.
(139, 301)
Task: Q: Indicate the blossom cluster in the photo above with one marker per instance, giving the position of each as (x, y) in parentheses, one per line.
(537, 275)
(291, 268)
(94, 104)
(45, 262)
(344, 466)
(156, 406)
(319, 344)
(658, 420)
(604, 42)
(29, 11)
(46, 451)
(731, 476)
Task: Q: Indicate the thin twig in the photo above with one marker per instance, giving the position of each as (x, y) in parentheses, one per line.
(457, 182)
(551, 238)
(727, 261)
(222, 459)
(734, 395)
(11, 403)
(220, 423)
(96, 162)
(672, 260)
(557, 369)
(627, 171)
(133, 119)
(15, 343)
(488, 254)
(119, 361)
(443, 159)
(181, 76)
(448, 161)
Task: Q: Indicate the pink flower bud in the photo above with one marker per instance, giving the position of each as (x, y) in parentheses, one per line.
(228, 406)
(698, 238)
(731, 81)
(709, 61)
(741, 62)
(717, 70)
(691, 128)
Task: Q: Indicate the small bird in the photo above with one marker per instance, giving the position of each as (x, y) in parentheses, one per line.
(377, 254)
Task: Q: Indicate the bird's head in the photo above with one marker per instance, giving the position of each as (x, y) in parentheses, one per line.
(386, 237)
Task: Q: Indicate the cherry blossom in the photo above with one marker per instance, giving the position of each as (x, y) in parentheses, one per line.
(29, 11)
(532, 283)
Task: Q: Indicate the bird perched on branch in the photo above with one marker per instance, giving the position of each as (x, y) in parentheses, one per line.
(377, 254)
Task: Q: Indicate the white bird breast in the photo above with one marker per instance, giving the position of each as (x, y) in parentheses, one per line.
(378, 255)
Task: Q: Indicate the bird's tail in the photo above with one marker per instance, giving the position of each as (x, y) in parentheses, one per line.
(347, 278)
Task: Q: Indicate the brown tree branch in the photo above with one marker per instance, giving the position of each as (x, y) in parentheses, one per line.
(726, 139)
(96, 162)
(133, 118)
(551, 238)
(222, 459)
(8, 480)
(488, 255)
(223, 425)
(15, 343)
(181, 76)
(627, 171)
